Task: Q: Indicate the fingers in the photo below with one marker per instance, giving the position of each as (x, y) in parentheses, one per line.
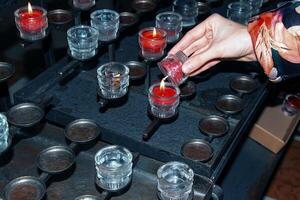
(189, 38)
(198, 46)
(205, 67)
(197, 61)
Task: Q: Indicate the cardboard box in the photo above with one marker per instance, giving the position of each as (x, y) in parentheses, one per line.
(273, 128)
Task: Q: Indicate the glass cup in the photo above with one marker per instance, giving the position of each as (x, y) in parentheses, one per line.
(82, 41)
(32, 25)
(188, 9)
(84, 4)
(291, 105)
(171, 22)
(171, 66)
(113, 80)
(163, 103)
(239, 12)
(175, 181)
(107, 23)
(4, 132)
(255, 4)
(113, 167)
(152, 42)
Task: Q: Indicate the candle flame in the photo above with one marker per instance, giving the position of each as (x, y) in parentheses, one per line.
(154, 32)
(162, 84)
(29, 8)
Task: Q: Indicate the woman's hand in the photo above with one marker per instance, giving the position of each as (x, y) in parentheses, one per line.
(213, 40)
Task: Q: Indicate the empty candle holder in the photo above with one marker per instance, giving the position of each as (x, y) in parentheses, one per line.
(291, 105)
(239, 12)
(188, 9)
(32, 22)
(113, 168)
(82, 41)
(83, 4)
(164, 100)
(152, 42)
(175, 181)
(107, 23)
(171, 67)
(113, 80)
(171, 22)
(4, 132)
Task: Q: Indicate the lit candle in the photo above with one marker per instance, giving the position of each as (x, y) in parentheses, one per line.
(31, 22)
(164, 99)
(152, 42)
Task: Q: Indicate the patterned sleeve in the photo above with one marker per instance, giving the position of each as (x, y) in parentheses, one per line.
(276, 39)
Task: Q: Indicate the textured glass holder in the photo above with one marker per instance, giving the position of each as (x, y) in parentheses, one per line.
(83, 4)
(255, 4)
(113, 167)
(171, 66)
(113, 80)
(107, 23)
(31, 25)
(82, 41)
(175, 181)
(152, 42)
(171, 22)
(291, 105)
(4, 132)
(164, 106)
(188, 9)
(239, 12)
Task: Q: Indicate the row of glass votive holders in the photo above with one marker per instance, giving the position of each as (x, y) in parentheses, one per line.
(4, 132)
(114, 172)
(31, 22)
(82, 41)
(188, 9)
(171, 22)
(113, 80)
(83, 4)
(164, 102)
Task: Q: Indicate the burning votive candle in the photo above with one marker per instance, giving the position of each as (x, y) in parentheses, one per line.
(171, 67)
(113, 79)
(3, 132)
(152, 42)
(113, 167)
(175, 181)
(163, 99)
(107, 23)
(171, 22)
(82, 41)
(83, 4)
(32, 22)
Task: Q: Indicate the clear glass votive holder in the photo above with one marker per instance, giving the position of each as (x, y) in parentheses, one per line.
(4, 132)
(163, 102)
(113, 167)
(188, 9)
(171, 66)
(83, 4)
(82, 41)
(291, 105)
(239, 12)
(152, 42)
(32, 24)
(175, 181)
(107, 23)
(171, 22)
(255, 4)
(113, 80)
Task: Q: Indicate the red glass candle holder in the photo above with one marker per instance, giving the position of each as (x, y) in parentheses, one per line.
(171, 66)
(32, 22)
(291, 105)
(163, 103)
(152, 42)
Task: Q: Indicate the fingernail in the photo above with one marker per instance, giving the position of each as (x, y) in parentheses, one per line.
(187, 68)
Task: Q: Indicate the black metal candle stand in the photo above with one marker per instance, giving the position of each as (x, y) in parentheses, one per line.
(105, 103)
(156, 122)
(6, 71)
